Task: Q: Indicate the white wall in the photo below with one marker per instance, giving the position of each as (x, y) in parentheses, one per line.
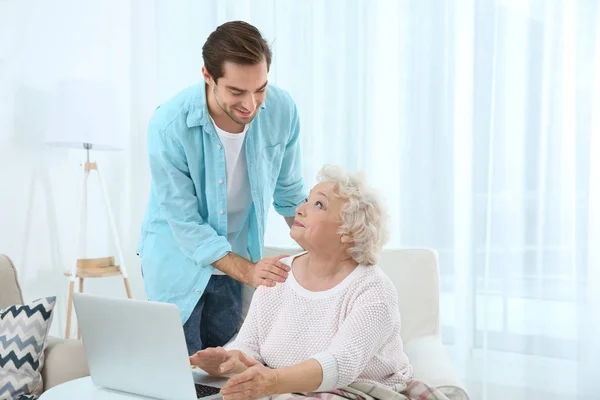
(40, 44)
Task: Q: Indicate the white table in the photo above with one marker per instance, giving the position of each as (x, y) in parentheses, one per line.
(84, 388)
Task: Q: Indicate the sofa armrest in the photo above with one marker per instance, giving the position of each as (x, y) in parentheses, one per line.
(433, 366)
(64, 361)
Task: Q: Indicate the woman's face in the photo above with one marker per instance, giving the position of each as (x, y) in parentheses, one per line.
(318, 220)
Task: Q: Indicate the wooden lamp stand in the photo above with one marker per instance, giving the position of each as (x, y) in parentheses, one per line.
(98, 267)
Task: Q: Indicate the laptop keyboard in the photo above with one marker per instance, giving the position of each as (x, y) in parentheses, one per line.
(203, 390)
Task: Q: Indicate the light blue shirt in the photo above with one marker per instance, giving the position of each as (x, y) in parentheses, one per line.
(184, 229)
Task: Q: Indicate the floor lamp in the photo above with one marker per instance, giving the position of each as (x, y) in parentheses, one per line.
(86, 117)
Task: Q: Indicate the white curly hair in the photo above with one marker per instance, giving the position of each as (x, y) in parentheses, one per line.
(364, 217)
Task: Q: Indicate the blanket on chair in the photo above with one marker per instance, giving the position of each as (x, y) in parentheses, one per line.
(411, 390)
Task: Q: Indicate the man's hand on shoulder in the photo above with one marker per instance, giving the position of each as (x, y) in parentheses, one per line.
(269, 270)
(266, 272)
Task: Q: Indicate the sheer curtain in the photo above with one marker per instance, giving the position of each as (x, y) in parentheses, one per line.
(475, 119)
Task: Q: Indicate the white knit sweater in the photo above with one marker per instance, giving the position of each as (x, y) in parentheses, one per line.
(352, 330)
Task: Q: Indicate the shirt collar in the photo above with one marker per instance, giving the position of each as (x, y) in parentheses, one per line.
(198, 113)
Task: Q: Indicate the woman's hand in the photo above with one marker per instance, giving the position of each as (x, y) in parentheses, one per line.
(217, 361)
(256, 382)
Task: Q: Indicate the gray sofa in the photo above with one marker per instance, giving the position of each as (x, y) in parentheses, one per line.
(64, 358)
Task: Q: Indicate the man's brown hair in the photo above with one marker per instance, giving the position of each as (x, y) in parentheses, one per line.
(237, 42)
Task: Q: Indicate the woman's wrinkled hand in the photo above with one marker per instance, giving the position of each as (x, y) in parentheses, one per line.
(255, 382)
(217, 361)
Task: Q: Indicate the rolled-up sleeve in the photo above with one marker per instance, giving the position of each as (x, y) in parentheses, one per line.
(290, 191)
(177, 199)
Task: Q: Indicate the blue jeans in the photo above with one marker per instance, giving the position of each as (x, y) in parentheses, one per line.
(214, 320)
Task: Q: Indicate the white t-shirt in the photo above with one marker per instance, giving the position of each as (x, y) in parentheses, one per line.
(238, 191)
(352, 330)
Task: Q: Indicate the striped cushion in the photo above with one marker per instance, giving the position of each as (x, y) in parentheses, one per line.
(23, 331)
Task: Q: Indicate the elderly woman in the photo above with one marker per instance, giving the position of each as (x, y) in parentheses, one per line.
(335, 320)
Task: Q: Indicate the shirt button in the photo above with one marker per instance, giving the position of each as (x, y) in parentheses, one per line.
(219, 146)
(198, 291)
(221, 212)
(221, 181)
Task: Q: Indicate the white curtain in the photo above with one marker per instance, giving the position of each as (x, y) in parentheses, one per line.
(477, 119)
(474, 118)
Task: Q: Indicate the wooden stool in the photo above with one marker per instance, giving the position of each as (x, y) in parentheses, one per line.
(92, 268)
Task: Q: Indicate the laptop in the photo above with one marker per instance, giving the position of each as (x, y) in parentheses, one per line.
(138, 347)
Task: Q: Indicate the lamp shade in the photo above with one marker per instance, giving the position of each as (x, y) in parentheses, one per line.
(86, 112)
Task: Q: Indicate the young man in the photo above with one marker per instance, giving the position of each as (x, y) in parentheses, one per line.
(220, 152)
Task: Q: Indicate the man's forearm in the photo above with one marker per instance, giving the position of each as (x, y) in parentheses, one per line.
(236, 267)
(303, 377)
